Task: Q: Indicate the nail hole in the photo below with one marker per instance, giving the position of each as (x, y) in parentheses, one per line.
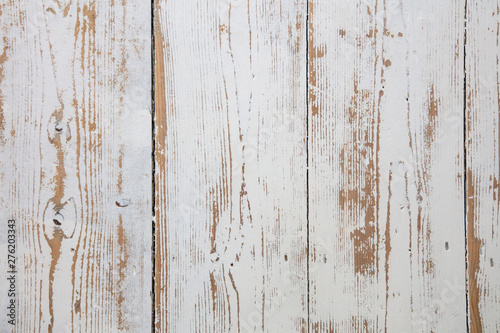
(325, 259)
(59, 127)
(446, 246)
(122, 203)
(72, 250)
(232, 264)
(56, 222)
(492, 264)
(286, 257)
(214, 257)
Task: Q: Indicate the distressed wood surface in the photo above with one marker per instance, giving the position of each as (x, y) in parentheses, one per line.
(319, 166)
(387, 247)
(231, 166)
(75, 173)
(483, 164)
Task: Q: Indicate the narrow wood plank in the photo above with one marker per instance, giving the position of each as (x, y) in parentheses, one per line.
(75, 146)
(231, 166)
(386, 166)
(483, 164)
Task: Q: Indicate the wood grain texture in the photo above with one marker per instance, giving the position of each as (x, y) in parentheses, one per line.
(231, 166)
(75, 146)
(320, 166)
(483, 164)
(386, 166)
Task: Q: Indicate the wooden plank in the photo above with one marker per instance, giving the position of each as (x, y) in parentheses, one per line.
(231, 166)
(75, 146)
(386, 166)
(483, 164)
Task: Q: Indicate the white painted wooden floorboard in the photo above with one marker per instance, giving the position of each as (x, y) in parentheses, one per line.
(385, 153)
(231, 166)
(386, 166)
(75, 172)
(483, 164)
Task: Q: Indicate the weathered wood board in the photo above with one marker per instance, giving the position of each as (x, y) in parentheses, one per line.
(308, 166)
(483, 164)
(231, 219)
(75, 170)
(387, 247)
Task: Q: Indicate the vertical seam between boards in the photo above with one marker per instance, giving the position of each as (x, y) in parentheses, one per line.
(307, 164)
(153, 171)
(465, 168)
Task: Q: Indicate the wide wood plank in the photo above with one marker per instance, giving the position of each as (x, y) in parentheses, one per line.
(75, 173)
(386, 166)
(483, 164)
(230, 166)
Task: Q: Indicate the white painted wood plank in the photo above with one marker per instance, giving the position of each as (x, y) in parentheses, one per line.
(231, 166)
(386, 163)
(75, 146)
(483, 164)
